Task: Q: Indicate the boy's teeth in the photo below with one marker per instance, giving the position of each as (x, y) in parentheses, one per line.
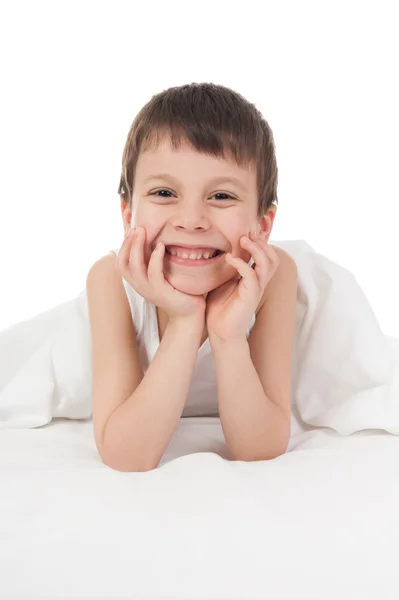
(191, 254)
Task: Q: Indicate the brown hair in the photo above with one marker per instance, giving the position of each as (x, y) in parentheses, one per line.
(212, 118)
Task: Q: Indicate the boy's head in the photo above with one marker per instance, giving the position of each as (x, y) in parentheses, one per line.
(199, 169)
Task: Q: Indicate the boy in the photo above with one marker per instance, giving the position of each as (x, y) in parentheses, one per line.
(198, 193)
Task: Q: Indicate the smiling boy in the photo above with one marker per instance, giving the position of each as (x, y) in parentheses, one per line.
(198, 198)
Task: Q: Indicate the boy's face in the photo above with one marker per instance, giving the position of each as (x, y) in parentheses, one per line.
(184, 197)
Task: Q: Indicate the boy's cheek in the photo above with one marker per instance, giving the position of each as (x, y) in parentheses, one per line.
(240, 252)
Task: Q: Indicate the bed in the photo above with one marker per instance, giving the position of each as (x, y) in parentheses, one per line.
(319, 522)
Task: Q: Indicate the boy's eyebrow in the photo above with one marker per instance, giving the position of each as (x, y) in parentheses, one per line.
(221, 179)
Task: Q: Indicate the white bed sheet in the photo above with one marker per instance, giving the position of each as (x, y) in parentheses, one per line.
(320, 522)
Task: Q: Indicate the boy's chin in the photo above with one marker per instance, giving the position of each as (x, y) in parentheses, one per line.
(192, 290)
(194, 287)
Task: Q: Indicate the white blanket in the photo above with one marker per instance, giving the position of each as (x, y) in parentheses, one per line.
(346, 371)
(317, 523)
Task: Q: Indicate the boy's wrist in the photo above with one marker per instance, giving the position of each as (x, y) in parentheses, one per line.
(239, 342)
(188, 324)
(229, 354)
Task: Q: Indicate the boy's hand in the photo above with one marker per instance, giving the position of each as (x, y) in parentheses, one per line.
(230, 307)
(150, 282)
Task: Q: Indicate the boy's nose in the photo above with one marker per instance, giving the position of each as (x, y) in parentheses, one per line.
(191, 218)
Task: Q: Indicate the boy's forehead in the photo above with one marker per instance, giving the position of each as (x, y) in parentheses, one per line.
(163, 156)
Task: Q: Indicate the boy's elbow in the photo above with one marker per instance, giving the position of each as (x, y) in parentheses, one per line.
(263, 453)
(130, 468)
(124, 466)
(114, 456)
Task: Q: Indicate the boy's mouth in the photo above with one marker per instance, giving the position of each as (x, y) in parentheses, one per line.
(194, 256)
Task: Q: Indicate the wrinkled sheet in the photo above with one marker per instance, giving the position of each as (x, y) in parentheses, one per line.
(318, 523)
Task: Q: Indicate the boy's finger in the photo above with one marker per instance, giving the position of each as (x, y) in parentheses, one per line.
(136, 254)
(271, 253)
(128, 264)
(124, 250)
(260, 254)
(155, 266)
(249, 278)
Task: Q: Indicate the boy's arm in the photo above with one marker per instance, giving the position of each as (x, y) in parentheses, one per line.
(134, 413)
(139, 430)
(254, 376)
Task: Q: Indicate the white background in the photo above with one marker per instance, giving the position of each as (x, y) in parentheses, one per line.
(74, 75)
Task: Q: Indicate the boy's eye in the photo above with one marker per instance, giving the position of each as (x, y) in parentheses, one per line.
(226, 196)
(159, 191)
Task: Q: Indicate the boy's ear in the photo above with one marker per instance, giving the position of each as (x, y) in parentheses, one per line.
(265, 224)
(126, 216)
